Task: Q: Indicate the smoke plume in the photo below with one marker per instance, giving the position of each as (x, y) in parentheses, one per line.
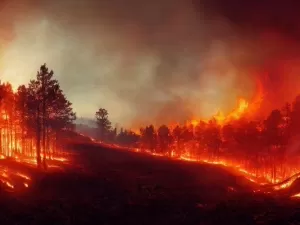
(157, 61)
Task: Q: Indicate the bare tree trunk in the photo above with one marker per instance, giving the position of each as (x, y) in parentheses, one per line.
(11, 137)
(23, 148)
(17, 149)
(44, 145)
(56, 142)
(43, 123)
(38, 138)
(6, 136)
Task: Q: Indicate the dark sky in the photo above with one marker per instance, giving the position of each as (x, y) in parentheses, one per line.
(258, 15)
(159, 60)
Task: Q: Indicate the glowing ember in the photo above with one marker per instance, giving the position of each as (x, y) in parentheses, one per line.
(248, 175)
(9, 184)
(252, 177)
(296, 196)
(23, 176)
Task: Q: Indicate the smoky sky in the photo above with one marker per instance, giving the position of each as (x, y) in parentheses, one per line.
(153, 61)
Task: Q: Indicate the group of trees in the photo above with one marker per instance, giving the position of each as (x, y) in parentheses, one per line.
(107, 133)
(33, 118)
(261, 146)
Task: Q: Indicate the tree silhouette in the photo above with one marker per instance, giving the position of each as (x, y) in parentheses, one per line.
(164, 139)
(22, 114)
(8, 116)
(177, 137)
(127, 138)
(273, 138)
(212, 137)
(33, 117)
(199, 136)
(149, 138)
(49, 110)
(103, 123)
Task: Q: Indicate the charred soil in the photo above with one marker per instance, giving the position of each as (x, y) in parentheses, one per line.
(119, 187)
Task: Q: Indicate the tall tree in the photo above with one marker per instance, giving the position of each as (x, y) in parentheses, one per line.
(164, 139)
(50, 109)
(60, 117)
(177, 137)
(22, 115)
(273, 138)
(149, 138)
(103, 123)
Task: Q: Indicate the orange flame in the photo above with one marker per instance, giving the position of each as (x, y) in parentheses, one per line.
(296, 196)
(222, 119)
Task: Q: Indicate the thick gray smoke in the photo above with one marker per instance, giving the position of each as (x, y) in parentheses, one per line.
(156, 61)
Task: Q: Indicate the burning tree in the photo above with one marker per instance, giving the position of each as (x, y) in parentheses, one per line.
(33, 118)
(7, 119)
(164, 139)
(263, 149)
(149, 138)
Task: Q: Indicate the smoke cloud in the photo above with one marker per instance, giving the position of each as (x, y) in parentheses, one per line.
(157, 62)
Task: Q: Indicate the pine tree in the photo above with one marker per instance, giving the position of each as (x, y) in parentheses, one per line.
(104, 125)
(51, 110)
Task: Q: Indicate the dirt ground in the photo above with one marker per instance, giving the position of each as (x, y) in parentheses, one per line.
(118, 187)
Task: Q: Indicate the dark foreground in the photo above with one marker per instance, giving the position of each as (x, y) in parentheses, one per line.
(119, 187)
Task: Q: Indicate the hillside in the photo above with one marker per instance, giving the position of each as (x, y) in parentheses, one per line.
(102, 185)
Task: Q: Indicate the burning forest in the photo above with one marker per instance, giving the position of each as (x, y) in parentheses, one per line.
(266, 151)
(35, 120)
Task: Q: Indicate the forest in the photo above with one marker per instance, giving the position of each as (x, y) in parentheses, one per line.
(34, 118)
(267, 148)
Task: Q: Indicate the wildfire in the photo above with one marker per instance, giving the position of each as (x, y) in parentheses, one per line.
(221, 118)
(14, 148)
(11, 177)
(248, 175)
(13, 151)
(262, 181)
(252, 147)
(236, 114)
(240, 110)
